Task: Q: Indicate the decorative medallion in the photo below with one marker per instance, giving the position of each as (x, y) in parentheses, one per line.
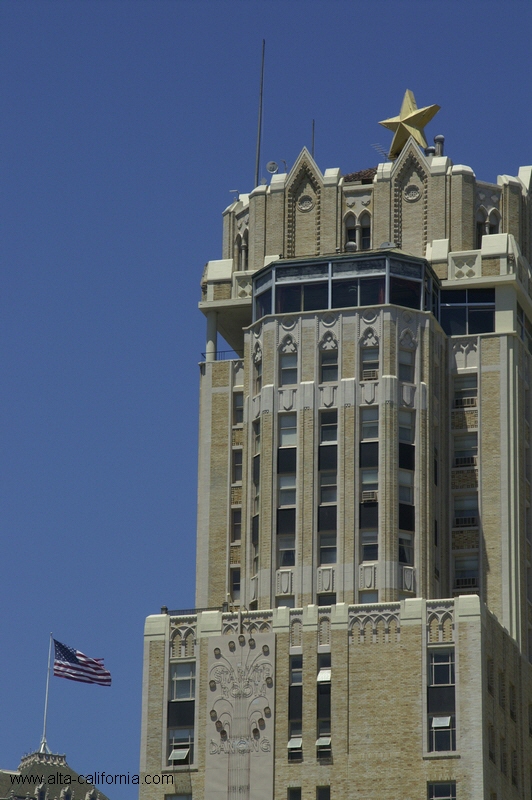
(305, 203)
(369, 316)
(288, 323)
(329, 319)
(412, 193)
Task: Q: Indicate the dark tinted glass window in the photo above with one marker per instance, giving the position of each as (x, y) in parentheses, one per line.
(286, 460)
(286, 520)
(263, 304)
(344, 294)
(481, 320)
(369, 515)
(327, 518)
(372, 291)
(327, 457)
(481, 295)
(453, 296)
(181, 714)
(287, 299)
(315, 296)
(453, 321)
(407, 456)
(406, 517)
(369, 454)
(405, 293)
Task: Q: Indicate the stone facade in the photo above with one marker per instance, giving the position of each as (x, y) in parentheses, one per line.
(364, 526)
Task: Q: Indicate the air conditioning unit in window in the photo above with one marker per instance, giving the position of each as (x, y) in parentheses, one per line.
(465, 402)
(370, 374)
(464, 522)
(465, 461)
(369, 497)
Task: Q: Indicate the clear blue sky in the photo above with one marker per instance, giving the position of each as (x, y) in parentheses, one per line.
(125, 125)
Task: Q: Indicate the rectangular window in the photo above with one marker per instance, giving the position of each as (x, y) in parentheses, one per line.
(465, 510)
(465, 450)
(235, 584)
(293, 793)
(370, 482)
(258, 377)
(406, 548)
(406, 486)
(369, 545)
(286, 550)
(467, 311)
(512, 702)
(406, 426)
(491, 673)
(237, 466)
(441, 668)
(328, 366)
(503, 756)
(441, 791)
(256, 437)
(369, 422)
(238, 408)
(288, 369)
(328, 489)
(287, 430)
(466, 572)
(287, 490)
(442, 733)
(296, 670)
(328, 427)
(514, 766)
(369, 454)
(465, 391)
(323, 793)
(181, 746)
(182, 681)
(370, 363)
(491, 743)
(502, 690)
(406, 365)
(236, 524)
(327, 545)
(324, 708)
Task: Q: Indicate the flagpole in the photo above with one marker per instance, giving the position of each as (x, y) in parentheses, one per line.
(44, 746)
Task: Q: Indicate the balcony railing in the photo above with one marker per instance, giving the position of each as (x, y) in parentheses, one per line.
(224, 355)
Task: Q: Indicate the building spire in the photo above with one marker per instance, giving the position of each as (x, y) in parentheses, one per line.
(410, 122)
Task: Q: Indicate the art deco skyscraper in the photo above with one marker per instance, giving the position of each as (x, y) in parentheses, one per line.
(364, 556)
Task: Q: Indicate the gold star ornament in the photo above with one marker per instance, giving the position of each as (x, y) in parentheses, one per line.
(410, 122)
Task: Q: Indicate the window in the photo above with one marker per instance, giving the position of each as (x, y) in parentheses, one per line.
(327, 599)
(237, 466)
(502, 690)
(369, 422)
(491, 673)
(514, 766)
(327, 545)
(480, 228)
(181, 746)
(256, 437)
(287, 430)
(406, 486)
(182, 681)
(441, 701)
(350, 229)
(370, 363)
(465, 391)
(258, 375)
(286, 550)
(406, 426)
(512, 702)
(441, 791)
(288, 369)
(406, 365)
(236, 524)
(466, 572)
(465, 450)
(287, 490)
(370, 481)
(296, 670)
(465, 510)
(324, 708)
(328, 427)
(238, 408)
(328, 490)
(467, 311)
(406, 548)
(491, 743)
(293, 793)
(235, 585)
(295, 708)
(328, 366)
(368, 597)
(365, 231)
(369, 545)
(503, 756)
(323, 793)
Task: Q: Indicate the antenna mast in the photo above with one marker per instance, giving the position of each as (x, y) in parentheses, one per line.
(257, 160)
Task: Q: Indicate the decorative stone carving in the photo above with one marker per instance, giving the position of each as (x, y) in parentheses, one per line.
(408, 575)
(305, 203)
(440, 621)
(288, 345)
(367, 576)
(412, 193)
(328, 395)
(242, 285)
(255, 406)
(287, 399)
(369, 392)
(324, 631)
(296, 629)
(377, 624)
(326, 579)
(465, 353)
(328, 341)
(407, 340)
(465, 265)
(257, 353)
(369, 338)
(283, 581)
(408, 394)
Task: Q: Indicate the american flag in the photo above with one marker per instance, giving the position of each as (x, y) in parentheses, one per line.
(71, 664)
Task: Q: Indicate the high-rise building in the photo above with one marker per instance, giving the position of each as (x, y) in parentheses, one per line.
(364, 555)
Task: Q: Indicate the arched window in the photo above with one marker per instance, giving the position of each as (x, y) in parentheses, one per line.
(480, 227)
(493, 223)
(365, 231)
(237, 253)
(350, 229)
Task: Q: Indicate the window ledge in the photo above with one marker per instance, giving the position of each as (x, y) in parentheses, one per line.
(441, 754)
